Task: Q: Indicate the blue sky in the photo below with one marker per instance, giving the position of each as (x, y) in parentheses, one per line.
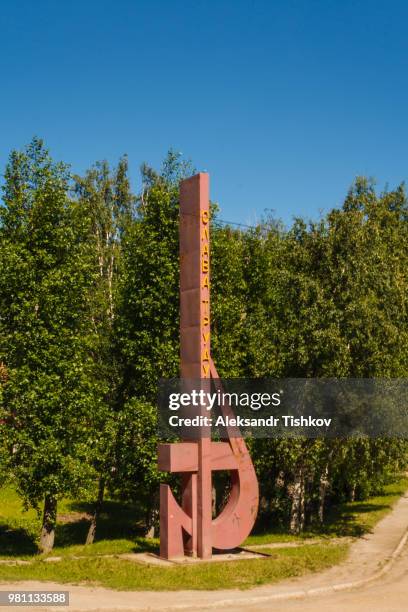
(283, 102)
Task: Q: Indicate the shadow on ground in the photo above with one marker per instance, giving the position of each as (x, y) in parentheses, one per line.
(123, 521)
(16, 541)
(342, 521)
(117, 521)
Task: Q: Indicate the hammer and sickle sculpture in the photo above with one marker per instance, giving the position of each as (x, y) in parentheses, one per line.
(189, 529)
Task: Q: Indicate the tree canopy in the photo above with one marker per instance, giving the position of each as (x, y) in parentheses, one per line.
(89, 321)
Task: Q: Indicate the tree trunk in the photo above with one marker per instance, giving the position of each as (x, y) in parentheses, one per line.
(47, 536)
(214, 501)
(152, 518)
(297, 512)
(323, 485)
(302, 505)
(90, 538)
(151, 524)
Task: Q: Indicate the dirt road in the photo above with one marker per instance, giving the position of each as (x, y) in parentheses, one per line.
(388, 595)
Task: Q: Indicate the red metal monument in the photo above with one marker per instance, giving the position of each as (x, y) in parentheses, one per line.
(189, 528)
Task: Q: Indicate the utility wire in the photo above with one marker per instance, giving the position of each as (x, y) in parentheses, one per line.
(222, 221)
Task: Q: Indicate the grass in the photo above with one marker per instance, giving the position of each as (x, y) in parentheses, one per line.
(118, 533)
(118, 529)
(352, 519)
(357, 518)
(127, 575)
(276, 537)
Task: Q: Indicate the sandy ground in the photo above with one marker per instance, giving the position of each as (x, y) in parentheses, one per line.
(367, 556)
(388, 595)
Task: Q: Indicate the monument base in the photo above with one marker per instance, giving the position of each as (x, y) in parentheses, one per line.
(238, 554)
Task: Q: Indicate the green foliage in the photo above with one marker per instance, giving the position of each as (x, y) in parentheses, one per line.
(149, 308)
(44, 299)
(104, 199)
(136, 476)
(89, 321)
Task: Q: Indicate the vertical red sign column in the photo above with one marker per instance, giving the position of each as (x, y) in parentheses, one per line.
(195, 343)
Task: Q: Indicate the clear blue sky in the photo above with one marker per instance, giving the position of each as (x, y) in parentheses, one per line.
(283, 102)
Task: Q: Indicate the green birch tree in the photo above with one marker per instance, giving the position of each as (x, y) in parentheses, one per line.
(44, 302)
